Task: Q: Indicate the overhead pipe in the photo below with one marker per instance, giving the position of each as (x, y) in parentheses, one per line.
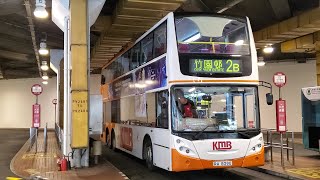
(229, 5)
(33, 34)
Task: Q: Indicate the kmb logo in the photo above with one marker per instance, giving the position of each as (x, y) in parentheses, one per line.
(222, 145)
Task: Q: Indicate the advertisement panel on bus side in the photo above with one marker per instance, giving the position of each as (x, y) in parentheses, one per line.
(149, 77)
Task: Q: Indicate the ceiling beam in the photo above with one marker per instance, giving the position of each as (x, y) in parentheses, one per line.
(33, 34)
(101, 24)
(15, 44)
(14, 55)
(131, 18)
(10, 7)
(303, 24)
(15, 31)
(20, 74)
(281, 9)
(169, 5)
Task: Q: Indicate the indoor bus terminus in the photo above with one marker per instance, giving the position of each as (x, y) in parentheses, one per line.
(184, 96)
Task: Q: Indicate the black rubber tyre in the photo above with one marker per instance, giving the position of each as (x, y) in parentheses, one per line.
(148, 155)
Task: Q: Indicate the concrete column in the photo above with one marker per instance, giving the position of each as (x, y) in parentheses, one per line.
(318, 67)
(317, 48)
(79, 74)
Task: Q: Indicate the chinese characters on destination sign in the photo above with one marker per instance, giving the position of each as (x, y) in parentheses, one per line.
(215, 66)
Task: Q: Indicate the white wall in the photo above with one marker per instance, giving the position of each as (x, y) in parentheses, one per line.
(298, 76)
(16, 101)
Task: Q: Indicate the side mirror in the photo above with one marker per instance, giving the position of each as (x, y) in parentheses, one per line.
(269, 98)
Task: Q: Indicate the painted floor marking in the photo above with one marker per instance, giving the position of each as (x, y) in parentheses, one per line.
(39, 155)
(307, 172)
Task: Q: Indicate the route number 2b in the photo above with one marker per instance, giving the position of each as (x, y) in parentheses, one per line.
(232, 67)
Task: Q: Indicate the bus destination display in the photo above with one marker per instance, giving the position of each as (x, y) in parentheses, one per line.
(210, 66)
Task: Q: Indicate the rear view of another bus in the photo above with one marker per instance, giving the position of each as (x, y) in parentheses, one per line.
(217, 73)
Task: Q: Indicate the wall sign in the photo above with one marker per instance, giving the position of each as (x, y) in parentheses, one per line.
(279, 79)
(36, 89)
(281, 115)
(36, 115)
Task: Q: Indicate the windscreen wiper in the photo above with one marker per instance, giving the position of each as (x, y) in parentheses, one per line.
(243, 134)
(195, 137)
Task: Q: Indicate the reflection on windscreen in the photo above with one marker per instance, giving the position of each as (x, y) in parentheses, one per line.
(220, 108)
(216, 35)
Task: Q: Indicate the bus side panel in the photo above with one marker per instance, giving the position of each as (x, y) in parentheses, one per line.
(129, 138)
(161, 148)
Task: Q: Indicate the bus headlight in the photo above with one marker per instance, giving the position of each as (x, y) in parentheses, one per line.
(256, 148)
(256, 145)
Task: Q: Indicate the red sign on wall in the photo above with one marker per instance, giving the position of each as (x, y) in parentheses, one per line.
(281, 115)
(279, 79)
(36, 89)
(36, 115)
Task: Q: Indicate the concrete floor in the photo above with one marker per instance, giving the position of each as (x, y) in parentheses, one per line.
(135, 169)
(10, 143)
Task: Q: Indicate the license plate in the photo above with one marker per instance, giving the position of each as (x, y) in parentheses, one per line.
(222, 163)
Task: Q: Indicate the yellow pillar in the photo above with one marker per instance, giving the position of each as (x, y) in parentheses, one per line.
(79, 74)
(318, 67)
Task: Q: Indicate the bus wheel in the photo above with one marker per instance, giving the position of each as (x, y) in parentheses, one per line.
(148, 155)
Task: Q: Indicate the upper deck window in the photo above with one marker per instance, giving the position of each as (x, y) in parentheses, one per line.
(212, 35)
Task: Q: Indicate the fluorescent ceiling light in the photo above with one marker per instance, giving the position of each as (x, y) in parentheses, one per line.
(239, 42)
(44, 82)
(44, 66)
(268, 49)
(235, 55)
(193, 38)
(261, 63)
(43, 49)
(40, 11)
(45, 77)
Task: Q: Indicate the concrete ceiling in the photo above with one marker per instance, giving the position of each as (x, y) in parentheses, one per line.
(121, 22)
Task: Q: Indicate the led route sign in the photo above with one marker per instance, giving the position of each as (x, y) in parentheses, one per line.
(211, 66)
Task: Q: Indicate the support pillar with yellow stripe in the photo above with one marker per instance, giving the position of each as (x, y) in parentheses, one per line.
(79, 74)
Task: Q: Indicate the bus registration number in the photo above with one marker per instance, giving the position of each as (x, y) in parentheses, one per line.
(222, 163)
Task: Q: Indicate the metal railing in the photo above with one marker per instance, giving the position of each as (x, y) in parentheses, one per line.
(58, 134)
(269, 144)
(45, 134)
(33, 138)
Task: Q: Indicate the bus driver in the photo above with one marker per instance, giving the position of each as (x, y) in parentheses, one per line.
(185, 105)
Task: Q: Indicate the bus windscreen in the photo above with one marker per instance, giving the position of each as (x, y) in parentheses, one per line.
(212, 35)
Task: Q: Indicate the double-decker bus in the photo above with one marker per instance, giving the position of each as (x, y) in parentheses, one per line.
(184, 96)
